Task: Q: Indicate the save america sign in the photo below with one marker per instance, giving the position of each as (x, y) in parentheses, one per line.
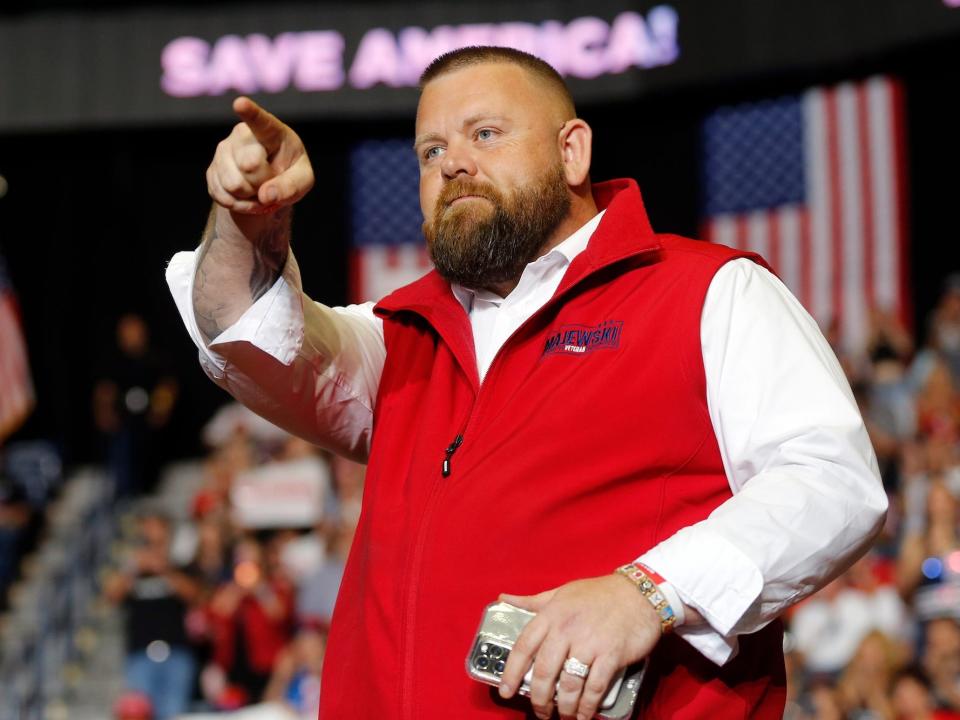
(316, 61)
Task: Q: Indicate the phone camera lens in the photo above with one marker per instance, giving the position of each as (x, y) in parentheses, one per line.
(496, 651)
(482, 662)
(498, 666)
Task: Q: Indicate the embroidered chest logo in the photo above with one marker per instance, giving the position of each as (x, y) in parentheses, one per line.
(583, 339)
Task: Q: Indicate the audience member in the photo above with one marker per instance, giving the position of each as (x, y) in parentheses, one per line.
(296, 676)
(156, 594)
(913, 699)
(938, 407)
(252, 618)
(944, 331)
(936, 540)
(864, 687)
(132, 400)
(941, 661)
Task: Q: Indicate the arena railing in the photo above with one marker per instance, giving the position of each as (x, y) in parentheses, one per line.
(50, 606)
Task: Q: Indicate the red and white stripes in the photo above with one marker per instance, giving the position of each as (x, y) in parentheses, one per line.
(842, 252)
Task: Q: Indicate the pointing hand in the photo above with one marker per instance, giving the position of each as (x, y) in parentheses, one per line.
(261, 166)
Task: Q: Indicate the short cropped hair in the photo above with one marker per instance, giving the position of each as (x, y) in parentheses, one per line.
(479, 54)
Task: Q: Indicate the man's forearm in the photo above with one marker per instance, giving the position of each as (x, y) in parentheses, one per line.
(241, 257)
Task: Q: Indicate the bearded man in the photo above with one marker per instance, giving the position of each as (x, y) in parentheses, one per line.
(565, 393)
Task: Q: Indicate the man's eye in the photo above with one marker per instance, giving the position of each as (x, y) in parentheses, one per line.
(433, 152)
(485, 134)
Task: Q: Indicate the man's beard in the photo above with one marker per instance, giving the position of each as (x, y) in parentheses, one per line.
(480, 247)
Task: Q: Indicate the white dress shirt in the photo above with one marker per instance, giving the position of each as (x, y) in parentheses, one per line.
(807, 497)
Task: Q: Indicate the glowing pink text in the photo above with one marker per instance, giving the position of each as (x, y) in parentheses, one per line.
(313, 61)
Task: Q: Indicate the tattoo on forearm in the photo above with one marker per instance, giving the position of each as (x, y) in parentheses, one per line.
(204, 309)
(270, 253)
(217, 297)
(205, 312)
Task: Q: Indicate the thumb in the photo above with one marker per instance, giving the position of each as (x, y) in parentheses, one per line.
(533, 603)
(289, 186)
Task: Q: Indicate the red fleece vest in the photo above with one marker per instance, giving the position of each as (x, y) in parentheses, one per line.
(588, 443)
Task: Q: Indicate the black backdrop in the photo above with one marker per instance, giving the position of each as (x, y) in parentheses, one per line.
(91, 218)
(95, 66)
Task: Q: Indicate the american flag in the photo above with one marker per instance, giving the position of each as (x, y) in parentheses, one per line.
(388, 248)
(815, 184)
(16, 388)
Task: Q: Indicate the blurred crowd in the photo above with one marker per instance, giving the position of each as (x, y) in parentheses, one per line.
(882, 641)
(229, 591)
(230, 608)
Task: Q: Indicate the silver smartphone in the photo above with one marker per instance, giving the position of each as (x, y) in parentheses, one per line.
(499, 629)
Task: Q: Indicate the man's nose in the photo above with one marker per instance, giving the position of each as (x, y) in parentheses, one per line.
(458, 160)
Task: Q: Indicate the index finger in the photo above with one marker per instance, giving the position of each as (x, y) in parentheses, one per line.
(265, 126)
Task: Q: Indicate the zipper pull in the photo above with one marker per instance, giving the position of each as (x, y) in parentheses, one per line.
(451, 449)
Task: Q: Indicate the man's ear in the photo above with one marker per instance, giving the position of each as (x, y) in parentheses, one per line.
(576, 149)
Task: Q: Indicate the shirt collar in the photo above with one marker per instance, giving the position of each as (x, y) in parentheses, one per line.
(561, 255)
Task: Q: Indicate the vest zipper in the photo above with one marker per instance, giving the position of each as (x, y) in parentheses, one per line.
(446, 467)
(451, 449)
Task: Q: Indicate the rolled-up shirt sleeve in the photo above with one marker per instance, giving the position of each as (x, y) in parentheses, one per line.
(807, 497)
(310, 369)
